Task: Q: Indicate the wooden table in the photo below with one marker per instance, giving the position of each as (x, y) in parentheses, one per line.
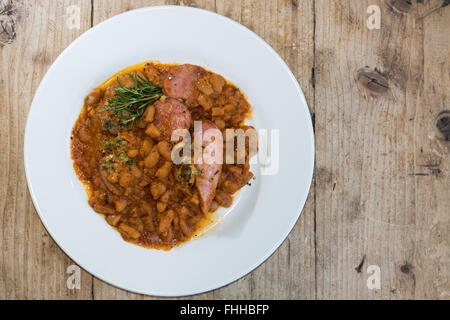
(381, 191)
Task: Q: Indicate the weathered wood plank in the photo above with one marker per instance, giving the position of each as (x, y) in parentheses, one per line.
(382, 167)
(288, 27)
(372, 199)
(430, 268)
(31, 264)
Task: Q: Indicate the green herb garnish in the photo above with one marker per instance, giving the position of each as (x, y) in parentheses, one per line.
(185, 175)
(130, 103)
(112, 145)
(115, 153)
(110, 126)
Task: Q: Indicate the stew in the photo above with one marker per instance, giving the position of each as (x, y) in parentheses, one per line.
(122, 151)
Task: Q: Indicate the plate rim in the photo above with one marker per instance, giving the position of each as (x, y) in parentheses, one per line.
(310, 153)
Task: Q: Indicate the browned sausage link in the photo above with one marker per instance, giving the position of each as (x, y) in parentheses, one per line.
(208, 178)
(170, 115)
(180, 83)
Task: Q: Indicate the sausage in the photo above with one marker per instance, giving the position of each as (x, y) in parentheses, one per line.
(180, 82)
(206, 183)
(208, 178)
(169, 116)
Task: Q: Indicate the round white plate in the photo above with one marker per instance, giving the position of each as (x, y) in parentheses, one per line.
(263, 214)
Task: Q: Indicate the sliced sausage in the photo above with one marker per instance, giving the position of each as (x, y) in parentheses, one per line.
(208, 178)
(180, 82)
(169, 116)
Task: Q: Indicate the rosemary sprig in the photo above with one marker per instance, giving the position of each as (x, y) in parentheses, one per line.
(130, 103)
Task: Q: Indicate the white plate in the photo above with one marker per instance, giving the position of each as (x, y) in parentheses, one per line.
(265, 213)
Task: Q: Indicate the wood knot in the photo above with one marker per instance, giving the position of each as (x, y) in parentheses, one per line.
(187, 3)
(372, 80)
(8, 13)
(443, 125)
(430, 11)
(400, 6)
(406, 268)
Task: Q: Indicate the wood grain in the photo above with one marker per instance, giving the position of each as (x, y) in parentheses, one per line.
(31, 265)
(376, 194)
(380, 195)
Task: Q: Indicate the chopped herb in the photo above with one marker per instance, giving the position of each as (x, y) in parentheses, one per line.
(131, 161)
(115, 153)
(110, 126)
(185, 175)
(107, 148)
(112, 145)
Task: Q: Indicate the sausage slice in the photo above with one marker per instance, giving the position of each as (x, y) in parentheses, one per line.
(208, 178)
(169, 116)
(180, 82)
